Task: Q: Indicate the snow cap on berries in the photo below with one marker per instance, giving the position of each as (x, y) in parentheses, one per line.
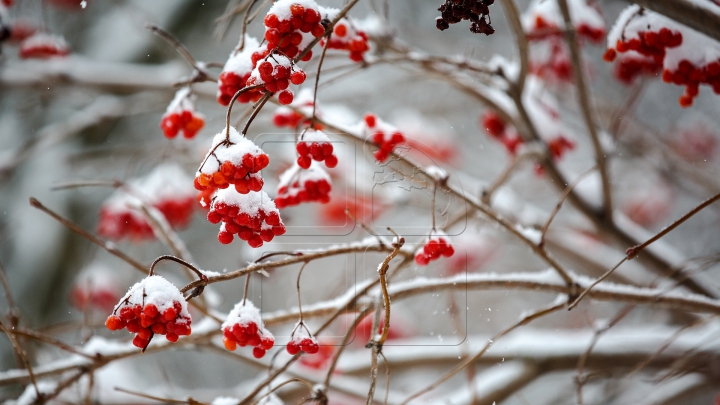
(166, 188)
(158, 291)
(586, 19)
(241, 62)
(228, 153)
(43, 45)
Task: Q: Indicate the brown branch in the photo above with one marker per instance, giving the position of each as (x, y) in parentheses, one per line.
(524, 321)
(21, 352)
(584, 99)
(632, 252)
(107, 246)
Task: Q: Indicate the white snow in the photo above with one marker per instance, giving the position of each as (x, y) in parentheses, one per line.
(250, 203)
(228, 153)
(184, 101)
(154, 290)
(281, 8)
(243, 314)
(581, 13)
(240, 63)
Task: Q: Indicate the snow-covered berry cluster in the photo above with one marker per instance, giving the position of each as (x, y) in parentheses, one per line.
(498, 130)
(96, 287)
(544, 20)
(244, 327)
(386, 136)
(630, 65)
(290, 25)
(253, 217)
(348, 37)
(232, 160)
(436, 245)
(236, 72)
(298, 186)
(288, 118)
(166, 189)
(302, 340)
(42, 46)
(152, 306)
(315, 145)
(688, 58)
(180, 115)
(275, 72)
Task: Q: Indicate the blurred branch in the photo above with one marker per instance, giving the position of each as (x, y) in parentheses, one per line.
(586, 109)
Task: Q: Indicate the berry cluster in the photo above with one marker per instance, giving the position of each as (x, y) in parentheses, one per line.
(290, 25)
(253, 217)
(315, 145)
(696, 144)
(235, 160)
(497, 129)
(165, 189)
(275, 73)
(437, 244)
(43, 46)
(383, 134)
(152, 306)
(181, 116)
(559, 145)
(298, 186)
(631, 65)
(302, 340)
(543, 20)
(553, 63)
(96, 287)
(289, 118)
(237, 71)
(454, 11)
(346, 36)
(244, 327)
(321, 358)
(687, 57)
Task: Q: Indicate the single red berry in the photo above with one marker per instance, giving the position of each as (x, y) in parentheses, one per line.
(298, 77)
(285, 97)
(114, 323)
(258, 352)
(293, 348)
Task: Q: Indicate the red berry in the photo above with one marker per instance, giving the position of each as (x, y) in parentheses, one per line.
(140, 342)
(258, 352)
(293, 348)
(331, 161)
(114, 323)
(285, 97)
(298, 77)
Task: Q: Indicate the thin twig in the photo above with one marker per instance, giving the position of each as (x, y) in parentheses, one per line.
(524, 321)
(632, 252)
(20, 351)
(317, 78)
(107, 246)
(584, 99)
(564, 195)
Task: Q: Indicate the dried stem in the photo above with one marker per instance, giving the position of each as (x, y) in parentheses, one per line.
(297, 286)
(241, 46)
(256, 111)
(317, 78)
(632, 252)
(230, 106)
(584, 99)
(21, 352)
(524, 321)
(107, 246)
(564, 195)
(580, 377)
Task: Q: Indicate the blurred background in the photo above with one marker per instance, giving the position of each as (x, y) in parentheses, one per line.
(94, 115)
